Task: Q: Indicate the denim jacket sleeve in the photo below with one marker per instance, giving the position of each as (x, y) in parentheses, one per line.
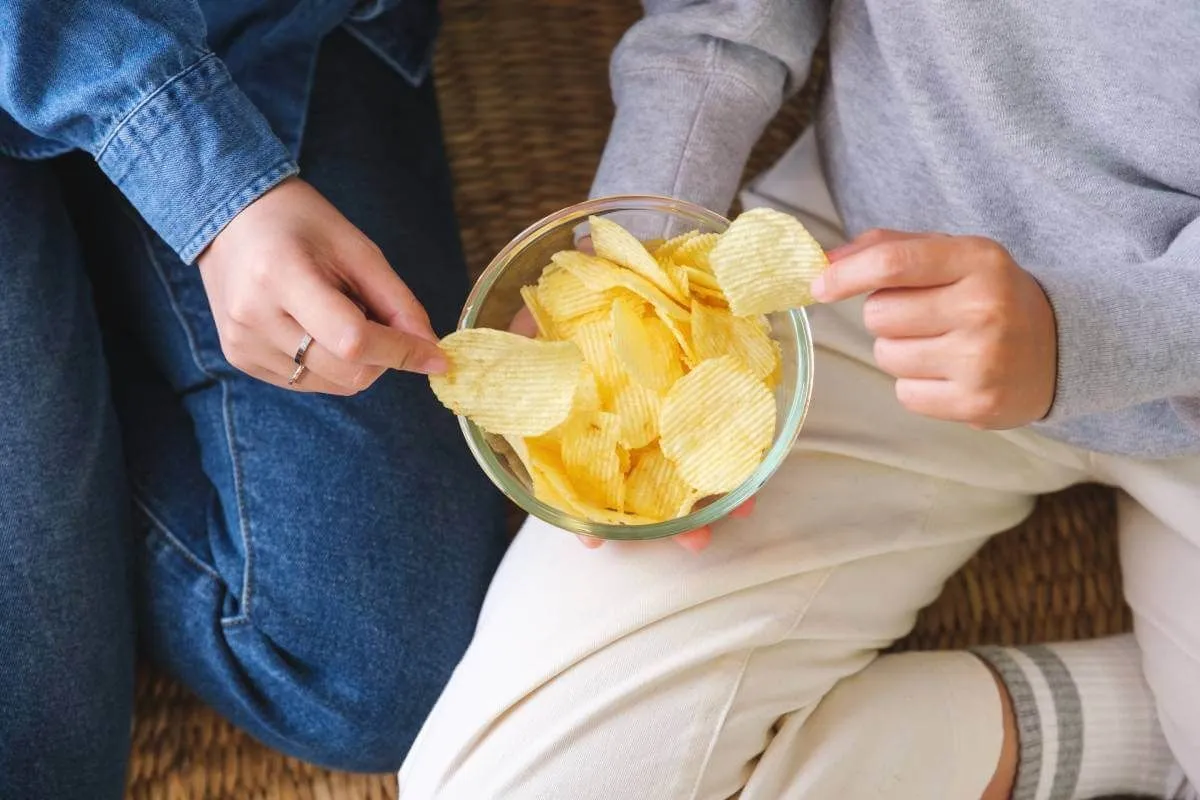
(133, 83)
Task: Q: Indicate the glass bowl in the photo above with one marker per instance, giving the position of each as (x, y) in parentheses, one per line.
(496, 298)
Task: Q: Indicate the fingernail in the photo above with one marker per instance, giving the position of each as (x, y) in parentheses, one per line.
(434, 364)
(817, 288)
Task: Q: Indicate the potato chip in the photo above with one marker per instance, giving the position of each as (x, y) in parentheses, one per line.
(698, 278)
(615, 244)
(710, 298)
(508, 384)
(587, 395)
(716, 423)
(695, 251)
(655, 489)
(565, 297)
(681, 331)
(679, 276)
(601, 276)
(545, 323)
(589, 453)
(645, 348)
(637, 407)
(595, 342)
(765, 262)
(666, 250)
(716, 333)
(567, 328)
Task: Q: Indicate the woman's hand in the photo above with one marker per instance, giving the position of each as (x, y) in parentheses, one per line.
(290, 264)
(968, 334)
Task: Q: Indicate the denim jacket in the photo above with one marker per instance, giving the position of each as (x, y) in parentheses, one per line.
(193, 108)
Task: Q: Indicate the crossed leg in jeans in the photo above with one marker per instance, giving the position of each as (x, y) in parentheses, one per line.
(310, 565)
(645, 671)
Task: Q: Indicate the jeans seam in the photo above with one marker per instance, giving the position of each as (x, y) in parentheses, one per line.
(172, 539)
(235, 463)
(737, 685)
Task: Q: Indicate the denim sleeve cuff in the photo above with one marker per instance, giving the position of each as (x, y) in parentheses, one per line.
(192, 155)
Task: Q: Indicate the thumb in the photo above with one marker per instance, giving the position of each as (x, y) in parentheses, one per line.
(415, 354)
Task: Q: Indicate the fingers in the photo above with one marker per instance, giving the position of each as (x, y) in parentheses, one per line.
(386, 296)
(894, 263)
(950, 401)
(523, 323)
(286, 335)
(904, 313)
(276, 368)
(869, 239)
(744, 510)
(913, 358)
(696, 540)
(337, 324)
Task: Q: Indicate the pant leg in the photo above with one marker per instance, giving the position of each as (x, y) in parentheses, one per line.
(66, 664)
(312, 566)
(1159, 523)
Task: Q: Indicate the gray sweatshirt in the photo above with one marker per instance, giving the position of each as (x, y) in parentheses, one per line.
(1068, 131)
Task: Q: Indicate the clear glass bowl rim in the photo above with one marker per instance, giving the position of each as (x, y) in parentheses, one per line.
(512, 488)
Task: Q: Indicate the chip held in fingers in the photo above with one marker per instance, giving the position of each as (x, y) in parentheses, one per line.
(765, 262)
(506, 383)
(650, 385)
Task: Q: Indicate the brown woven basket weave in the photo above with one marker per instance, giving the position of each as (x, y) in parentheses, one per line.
(523, 86)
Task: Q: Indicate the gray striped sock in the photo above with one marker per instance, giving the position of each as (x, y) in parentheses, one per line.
(1086, 721)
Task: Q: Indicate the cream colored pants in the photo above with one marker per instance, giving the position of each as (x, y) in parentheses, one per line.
(646, 672)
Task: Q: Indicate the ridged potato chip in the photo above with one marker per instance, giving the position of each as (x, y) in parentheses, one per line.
(595, 342)
(765, 262)
(716, 424)
(655, 489)
(541, 317)
(699, 279)
(637, 408)
(614, 243)
(695, 251)
(667, 249)
(716, 332)
(565, 297)
(683, 337)
(568, 327)
(508, 384)
(645, 348)
(589, 453)
(601, 275)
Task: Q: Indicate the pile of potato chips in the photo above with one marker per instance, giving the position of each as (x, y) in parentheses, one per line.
(649, 385)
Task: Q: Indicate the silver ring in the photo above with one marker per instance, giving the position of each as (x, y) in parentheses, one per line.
(302, 350)
(297, 374)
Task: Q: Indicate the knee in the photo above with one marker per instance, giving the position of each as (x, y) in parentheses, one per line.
(909, 711)
(365, 719)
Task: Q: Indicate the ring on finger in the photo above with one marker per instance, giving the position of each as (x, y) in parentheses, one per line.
(298, 359)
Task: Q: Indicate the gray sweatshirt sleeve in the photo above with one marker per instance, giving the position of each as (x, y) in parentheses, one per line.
(1128, 334)
(695, 84)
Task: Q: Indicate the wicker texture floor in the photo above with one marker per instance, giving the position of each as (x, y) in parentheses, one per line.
(524, 95)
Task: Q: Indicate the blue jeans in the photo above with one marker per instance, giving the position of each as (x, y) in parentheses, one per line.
(311, 566)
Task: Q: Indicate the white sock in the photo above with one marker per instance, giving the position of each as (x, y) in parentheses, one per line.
(1087, 722)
